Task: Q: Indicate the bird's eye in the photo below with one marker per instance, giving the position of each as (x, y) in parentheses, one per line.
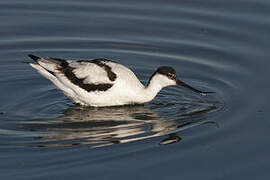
(171, 76)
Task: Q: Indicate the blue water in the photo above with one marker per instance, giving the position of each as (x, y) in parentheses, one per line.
(220, 46)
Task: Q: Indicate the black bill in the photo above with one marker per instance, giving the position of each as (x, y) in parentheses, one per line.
(181, 83)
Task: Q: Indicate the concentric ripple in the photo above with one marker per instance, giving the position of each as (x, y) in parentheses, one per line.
(45, 118)
(56, 122)
(218, 46)
(43, 113)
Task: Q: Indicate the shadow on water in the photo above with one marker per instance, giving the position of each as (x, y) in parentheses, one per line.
(97, 127)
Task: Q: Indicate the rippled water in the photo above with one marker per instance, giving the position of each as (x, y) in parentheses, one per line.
(220, 46)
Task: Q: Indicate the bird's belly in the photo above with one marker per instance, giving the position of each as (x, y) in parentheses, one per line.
(112, 97)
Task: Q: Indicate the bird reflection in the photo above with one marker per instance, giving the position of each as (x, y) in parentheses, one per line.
(97, 127)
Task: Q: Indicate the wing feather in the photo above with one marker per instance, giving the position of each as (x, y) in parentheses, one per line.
(91, 73)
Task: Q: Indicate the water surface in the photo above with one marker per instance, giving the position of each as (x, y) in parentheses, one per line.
(214, 46)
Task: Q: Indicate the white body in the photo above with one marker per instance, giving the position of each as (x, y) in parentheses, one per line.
(126, 89)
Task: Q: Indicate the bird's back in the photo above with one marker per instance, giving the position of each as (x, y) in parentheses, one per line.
(98, 82)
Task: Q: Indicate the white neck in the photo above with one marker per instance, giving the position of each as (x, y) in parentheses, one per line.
(155, 85)
(151, 91)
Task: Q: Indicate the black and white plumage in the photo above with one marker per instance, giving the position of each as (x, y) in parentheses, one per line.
(102, 82)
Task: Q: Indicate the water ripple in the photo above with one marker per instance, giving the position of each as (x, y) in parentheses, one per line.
(215, 46)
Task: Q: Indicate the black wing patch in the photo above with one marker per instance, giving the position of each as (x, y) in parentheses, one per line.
(100, 62)
(68, 72)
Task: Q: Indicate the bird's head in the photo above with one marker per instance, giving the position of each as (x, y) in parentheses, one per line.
(166, 76)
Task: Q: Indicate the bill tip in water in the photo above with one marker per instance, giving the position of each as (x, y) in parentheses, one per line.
(206, 93)
(181, 83)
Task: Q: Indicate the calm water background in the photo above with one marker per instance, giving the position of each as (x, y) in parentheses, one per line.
(220, 46)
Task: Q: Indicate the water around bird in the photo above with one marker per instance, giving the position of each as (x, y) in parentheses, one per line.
(220, 47)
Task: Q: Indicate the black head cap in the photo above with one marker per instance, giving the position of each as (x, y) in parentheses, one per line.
(167, 71)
